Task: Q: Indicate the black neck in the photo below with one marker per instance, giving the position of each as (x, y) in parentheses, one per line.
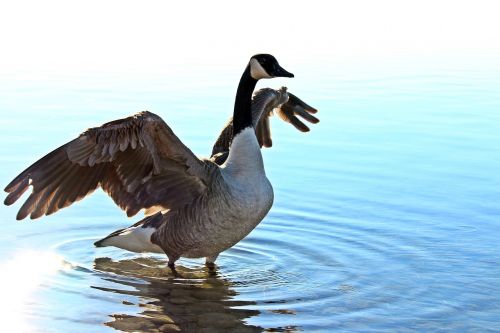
(242, 116)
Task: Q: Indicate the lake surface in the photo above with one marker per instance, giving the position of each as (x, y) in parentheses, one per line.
(386, 214)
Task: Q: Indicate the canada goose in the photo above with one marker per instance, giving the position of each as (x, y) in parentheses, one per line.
(200, 208)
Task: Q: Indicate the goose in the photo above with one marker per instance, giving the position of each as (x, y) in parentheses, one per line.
(195, 207)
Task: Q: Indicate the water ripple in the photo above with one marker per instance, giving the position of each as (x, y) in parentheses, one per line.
(385, 219)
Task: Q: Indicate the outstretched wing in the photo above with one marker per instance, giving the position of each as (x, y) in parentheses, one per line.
(138, 161)
(288, 107)
(293, 108)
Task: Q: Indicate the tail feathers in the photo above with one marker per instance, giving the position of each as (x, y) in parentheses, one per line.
(102, 242)
(136, 238)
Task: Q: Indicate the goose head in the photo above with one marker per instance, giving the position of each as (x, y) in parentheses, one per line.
(265, 66)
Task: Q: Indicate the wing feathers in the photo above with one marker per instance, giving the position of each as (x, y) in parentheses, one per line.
(264, 132)
(41, 208)
(296, 107)
(80, 151)
(47, 159)
(28, 205)
(123, 199)
(288, 107)
(122, 157)
(17, 191)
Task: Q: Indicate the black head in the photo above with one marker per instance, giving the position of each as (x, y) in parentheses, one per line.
(265, 66)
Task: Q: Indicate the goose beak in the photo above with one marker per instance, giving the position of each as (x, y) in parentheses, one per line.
(281, 72)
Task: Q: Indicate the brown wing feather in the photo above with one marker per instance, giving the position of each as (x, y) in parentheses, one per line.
(286, 105)
(138, 161)
(296, 107)
(224, 140)
(263, 131)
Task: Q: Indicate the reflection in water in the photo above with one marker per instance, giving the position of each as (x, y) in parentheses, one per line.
(198, 300)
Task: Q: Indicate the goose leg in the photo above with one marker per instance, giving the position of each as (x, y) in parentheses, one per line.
(210, 262)
(171, 265)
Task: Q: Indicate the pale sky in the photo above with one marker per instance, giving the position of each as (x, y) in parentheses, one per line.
(69, 36)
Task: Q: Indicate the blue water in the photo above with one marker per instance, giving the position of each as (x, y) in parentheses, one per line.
(385, 215)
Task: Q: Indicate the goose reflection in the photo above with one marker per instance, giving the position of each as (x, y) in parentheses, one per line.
(199, 301)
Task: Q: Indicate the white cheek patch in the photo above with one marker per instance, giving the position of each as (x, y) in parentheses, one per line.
(257, 72)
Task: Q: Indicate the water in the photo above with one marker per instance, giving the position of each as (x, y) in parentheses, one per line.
(385, 214)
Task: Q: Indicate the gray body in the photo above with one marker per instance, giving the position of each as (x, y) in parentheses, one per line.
(239, 198)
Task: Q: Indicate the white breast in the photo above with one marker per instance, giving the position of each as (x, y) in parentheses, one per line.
(244, 173)
(245, 158)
